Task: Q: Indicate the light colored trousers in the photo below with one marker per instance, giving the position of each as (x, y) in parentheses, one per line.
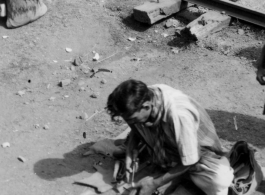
(212, 175)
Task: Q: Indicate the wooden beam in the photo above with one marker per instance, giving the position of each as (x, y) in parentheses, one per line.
(233, 10)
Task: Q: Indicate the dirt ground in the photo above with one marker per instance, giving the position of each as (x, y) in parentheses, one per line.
(46, 125)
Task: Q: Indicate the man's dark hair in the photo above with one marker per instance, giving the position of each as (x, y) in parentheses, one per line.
(127, 98)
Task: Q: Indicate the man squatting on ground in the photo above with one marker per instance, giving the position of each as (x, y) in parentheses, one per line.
(181, 137)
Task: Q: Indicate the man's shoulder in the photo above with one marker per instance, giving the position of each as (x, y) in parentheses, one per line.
(168, 91)
(163, 87)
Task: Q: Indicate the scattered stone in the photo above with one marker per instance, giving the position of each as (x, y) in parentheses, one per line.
(68, 50)
(52, 98)
(86, 116)
(82, 89)
(22, 159)
(175, 50)
(96, 57)
(65, 82)
(85, 69)
(103, 81)
(240, 31)
(172, 22)
(132, 38)
(81, 83)
(72, 68)
(21, 93)
(164, 34)
(207, 23)
(78, 61)
(37, 126)
(136, 59)
(46, 127)
(6, 145)
(151, 11)
(94, 95)
(226, 52)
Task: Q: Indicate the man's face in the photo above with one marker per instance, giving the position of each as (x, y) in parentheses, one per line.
(140, 116)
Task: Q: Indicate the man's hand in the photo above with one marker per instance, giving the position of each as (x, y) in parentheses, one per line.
(261, 75)
(146, 186)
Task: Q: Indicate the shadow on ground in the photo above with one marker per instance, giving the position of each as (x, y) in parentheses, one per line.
(250, 129)
(3, 22)
(131, 23)
(72, 163)
(250, 53)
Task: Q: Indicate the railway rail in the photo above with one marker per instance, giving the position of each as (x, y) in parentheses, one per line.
(233, 10)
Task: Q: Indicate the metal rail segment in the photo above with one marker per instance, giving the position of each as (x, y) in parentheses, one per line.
(234, 10)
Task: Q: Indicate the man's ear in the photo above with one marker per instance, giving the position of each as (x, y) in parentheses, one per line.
(146, 105)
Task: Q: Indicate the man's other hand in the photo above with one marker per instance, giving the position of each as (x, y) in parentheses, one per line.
(261, 76)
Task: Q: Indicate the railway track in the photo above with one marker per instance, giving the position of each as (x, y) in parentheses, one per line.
(233, 10)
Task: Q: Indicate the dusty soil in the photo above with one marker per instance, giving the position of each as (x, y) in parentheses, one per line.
(46, 125)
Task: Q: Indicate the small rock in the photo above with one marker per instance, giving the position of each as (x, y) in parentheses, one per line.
(136, 59)
(132, 38)
(96, 57)
(72, 68)
(69, 50)
(222, 12)
(81, 83)
(66, 96)
(78, 61)
(260, 42)
(164, 34)
(172, 22)
(6, 145)
(55, 61)
(48, 86)
(94, 95)
(46, 127)
(156, 31)
(85, 69)
(84, 135)
(4, 37)
(175, 51)
(22, 159)
(37, 126)
(226, 52)
(52, 98)
(82, 89)
(86, 116)
(21, 93)
(103, 81)
(241, 31)
(65, 82)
